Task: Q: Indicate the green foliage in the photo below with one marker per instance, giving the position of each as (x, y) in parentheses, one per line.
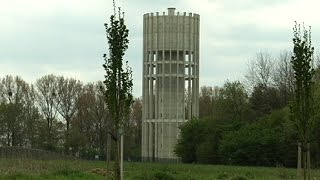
(249, 131)
(200, 139)
(232, 105)
(251, 145)
(260, 143)
(193, 133)
(267, 142)
(118, 81)
(264, 99)
(226, 104)
(207, 151)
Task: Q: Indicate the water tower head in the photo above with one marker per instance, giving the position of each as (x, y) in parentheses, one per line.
(171, 11)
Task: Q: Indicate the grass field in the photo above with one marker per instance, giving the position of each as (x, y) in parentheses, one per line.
(59, 169)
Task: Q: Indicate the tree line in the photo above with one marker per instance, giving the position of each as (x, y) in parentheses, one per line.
(239, 123)
(61, 114)
(248, 122)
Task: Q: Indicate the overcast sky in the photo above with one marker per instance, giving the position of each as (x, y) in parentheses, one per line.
(67, 37)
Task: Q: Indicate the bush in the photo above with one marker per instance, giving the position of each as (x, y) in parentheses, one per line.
(193, 133)
(223, 175)
(261, 143)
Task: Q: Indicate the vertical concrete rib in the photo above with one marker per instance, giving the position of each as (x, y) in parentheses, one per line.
(197, 35)
(194, 79)
(189, 70)
(177, 74)
(162, 89)
(184, 65)
(144, 89)
(169, 19)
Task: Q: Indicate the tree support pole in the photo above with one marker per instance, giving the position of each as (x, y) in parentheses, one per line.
(308, 161)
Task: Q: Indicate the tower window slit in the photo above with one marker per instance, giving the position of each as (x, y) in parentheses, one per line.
(174, 55)
(186, 57)
(191, 57)
(166, 55)
(154, 69)
(160, 56)
(149, 56)
(180, 55)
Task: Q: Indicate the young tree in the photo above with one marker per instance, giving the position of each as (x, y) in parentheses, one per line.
(118, 81)
(301, 111)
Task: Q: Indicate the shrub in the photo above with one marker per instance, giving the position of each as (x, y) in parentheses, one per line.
(223, 175)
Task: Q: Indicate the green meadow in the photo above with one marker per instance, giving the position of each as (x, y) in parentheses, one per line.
(81, 169)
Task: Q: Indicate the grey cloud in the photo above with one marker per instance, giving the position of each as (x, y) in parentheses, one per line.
(244, 5)
(55, 40)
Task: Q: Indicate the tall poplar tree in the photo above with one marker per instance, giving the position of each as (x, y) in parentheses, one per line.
(301, 111)
(118, 80)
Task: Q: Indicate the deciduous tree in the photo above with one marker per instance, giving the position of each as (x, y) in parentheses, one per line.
(48, 102)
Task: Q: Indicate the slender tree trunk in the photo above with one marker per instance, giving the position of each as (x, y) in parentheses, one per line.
(121, 156)
(299, 162)
(304, 159)
(116, 163)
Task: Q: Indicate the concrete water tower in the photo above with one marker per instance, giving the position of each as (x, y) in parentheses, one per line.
(170, 80)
